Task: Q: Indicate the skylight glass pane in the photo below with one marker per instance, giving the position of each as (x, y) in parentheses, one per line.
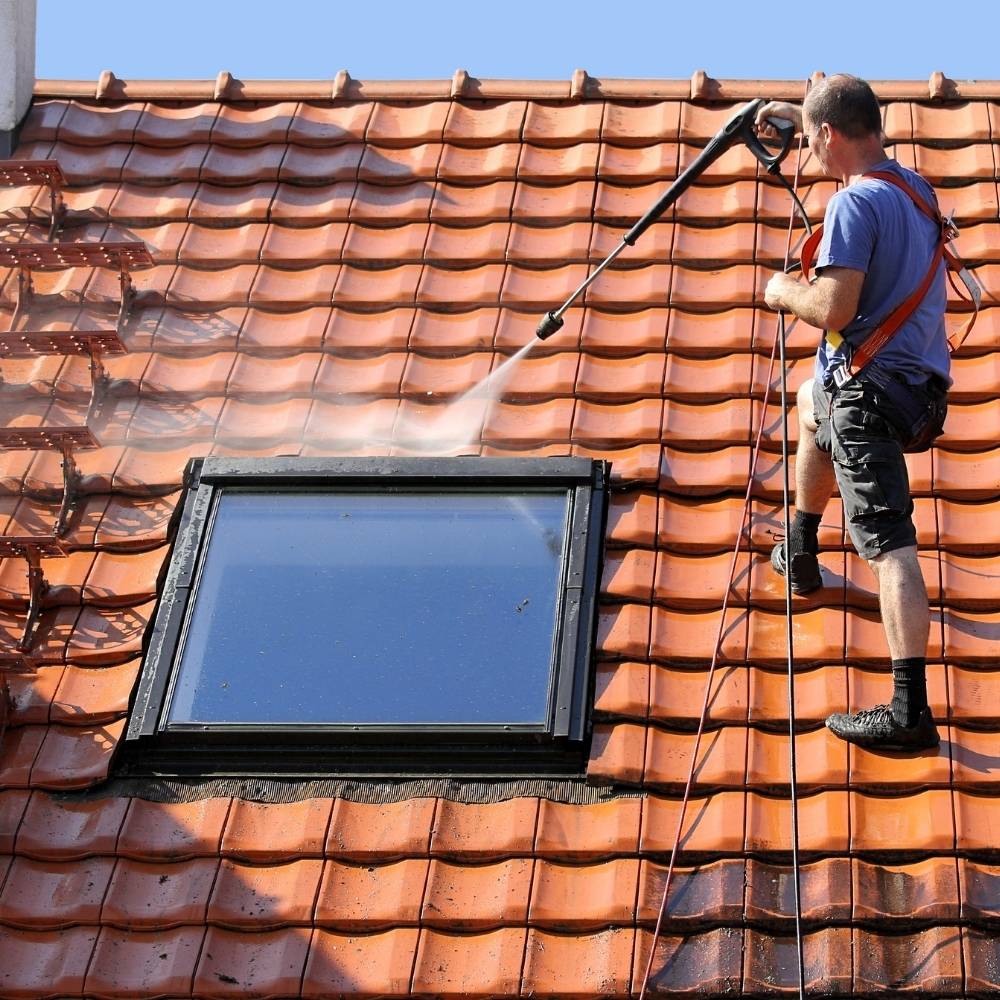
(367, 608)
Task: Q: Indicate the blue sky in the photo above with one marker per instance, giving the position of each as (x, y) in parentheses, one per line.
(540, 39)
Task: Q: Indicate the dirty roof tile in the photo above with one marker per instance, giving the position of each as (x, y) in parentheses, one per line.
(489, 830)
(478, 897)
(309, 165)
(361, 831)
(46, 895)
(481, 123)
(700, 964)
(234, 963)
(926, 890)
(547, 204)
(164, 166)
(254, 897)
(469, 965)
(248, 202)
(175, 124)
(929, 960)
(708, 894)
(311, 205)
(367, 243)
(578, 965)
(676, 696)
(771, 962)
(823, 823)
(406, 123)
(712, 824)
(366, 897)
(321, 123)
(43, 964)
(454, 203)
(558, 123)
(55, 830)
(824, 886)
(129, 963)
(163, 830)
(365, 964)
(253, 124)
(479, 164)
(143, 896)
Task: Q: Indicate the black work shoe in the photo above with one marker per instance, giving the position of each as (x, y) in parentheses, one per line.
(805, 573)
(878, 729)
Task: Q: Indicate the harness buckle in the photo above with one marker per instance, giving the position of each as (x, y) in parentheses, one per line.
(841, 376)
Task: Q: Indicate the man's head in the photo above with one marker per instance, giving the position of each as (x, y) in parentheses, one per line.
(841, 114)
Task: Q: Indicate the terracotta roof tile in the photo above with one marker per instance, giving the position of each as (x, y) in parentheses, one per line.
(42, 964)
(303, 206)
(825, 889)
(362, 832)
(323, 266)
(311, 165)
(559, 123)
(254, 897)
(179, 124)
(148, 896)
(43, 895)
(158, 830)
(470, 831)
(480, 204)
(470, 965)
(688, 966)
(579, 965)
(479, 164)
(366, 964)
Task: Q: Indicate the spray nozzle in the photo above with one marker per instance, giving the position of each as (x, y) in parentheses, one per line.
(550, 324)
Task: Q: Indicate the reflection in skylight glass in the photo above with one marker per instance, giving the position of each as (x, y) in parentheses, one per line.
(366, 608)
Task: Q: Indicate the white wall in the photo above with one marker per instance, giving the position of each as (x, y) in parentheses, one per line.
(17, 60)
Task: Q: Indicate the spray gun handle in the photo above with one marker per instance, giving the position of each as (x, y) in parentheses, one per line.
(770, 161)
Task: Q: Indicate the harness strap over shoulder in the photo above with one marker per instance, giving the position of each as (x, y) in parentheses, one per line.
(887, 329)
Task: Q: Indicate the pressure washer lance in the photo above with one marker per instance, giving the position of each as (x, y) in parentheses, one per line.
(739, 128)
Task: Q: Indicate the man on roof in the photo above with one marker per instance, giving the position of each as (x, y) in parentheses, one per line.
(857, 416)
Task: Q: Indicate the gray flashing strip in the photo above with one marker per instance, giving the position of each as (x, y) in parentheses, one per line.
(274, 790)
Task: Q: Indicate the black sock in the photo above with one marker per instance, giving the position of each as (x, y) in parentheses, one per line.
(803, 536)
(909, 689)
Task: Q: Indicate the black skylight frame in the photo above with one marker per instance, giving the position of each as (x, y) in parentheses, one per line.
(560, 747)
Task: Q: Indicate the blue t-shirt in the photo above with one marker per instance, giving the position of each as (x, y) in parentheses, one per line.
(874, 227)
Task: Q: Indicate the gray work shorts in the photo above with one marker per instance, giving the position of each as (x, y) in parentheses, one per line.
(864, 430)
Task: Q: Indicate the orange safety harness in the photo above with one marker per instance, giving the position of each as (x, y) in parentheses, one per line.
(887, 329)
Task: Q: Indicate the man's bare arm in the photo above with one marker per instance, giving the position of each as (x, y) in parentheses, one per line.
(829, 302)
